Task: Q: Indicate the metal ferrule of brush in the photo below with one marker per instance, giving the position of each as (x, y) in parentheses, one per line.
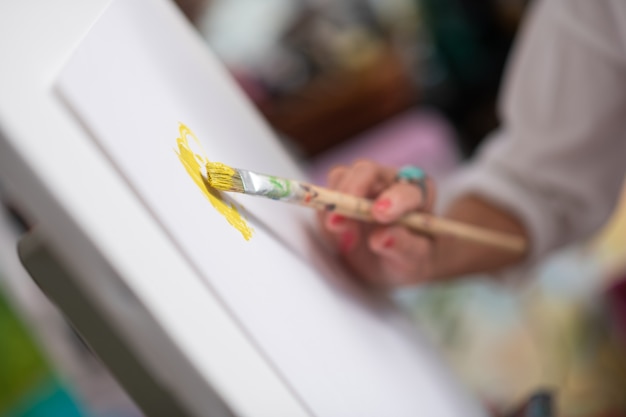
(272, 187)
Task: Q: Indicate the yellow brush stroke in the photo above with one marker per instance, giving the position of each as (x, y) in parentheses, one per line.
(195, 164)
(220, 176)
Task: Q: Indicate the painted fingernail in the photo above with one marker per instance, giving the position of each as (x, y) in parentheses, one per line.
(382, 205)
(388, 242)
(336, 219)
(347, 242)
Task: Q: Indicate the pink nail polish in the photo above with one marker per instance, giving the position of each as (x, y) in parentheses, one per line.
(382, 205)
(336, 219)
(388, 242)
(347, 242)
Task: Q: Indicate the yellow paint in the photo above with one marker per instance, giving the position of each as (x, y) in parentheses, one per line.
(220, 176)
(195, 164)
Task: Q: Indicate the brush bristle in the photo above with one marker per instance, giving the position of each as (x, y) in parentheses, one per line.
(224, 178)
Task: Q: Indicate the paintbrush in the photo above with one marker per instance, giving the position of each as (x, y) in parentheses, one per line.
(225, 178)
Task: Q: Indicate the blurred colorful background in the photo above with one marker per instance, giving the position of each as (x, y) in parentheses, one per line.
(397, 81)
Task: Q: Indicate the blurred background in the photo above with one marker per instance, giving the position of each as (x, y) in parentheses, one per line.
(400, 82)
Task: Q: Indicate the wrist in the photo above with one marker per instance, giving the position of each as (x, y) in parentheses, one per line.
(454, 257)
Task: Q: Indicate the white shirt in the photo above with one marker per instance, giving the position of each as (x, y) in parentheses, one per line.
(559, 158)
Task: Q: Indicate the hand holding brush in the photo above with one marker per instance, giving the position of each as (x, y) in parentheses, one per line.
(225, 178)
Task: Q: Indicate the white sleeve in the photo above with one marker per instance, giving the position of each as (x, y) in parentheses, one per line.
(559, 159)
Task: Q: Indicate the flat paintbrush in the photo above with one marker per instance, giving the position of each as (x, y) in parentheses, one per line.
(224, 178)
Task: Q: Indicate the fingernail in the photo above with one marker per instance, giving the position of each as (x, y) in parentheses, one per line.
(336, 219)
(382, 205)
(388, 242)
(347, 241)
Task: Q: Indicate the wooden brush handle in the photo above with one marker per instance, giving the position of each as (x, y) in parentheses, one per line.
(361, 208)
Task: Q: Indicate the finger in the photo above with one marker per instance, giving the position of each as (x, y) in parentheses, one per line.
(335, 175)
(365, 179)
(336, 223)
(322, 218)
(333, 222)
(402, 198)
(407, 257)
(341, 232)
(348, 240)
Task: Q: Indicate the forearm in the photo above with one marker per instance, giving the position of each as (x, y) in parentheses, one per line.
(454, 257)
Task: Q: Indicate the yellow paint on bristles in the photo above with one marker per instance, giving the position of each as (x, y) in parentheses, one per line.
(195, 165)
(223, 177)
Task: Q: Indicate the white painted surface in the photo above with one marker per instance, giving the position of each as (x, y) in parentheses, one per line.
(281, 333)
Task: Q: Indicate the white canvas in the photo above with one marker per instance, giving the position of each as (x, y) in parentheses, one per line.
(343, 351)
